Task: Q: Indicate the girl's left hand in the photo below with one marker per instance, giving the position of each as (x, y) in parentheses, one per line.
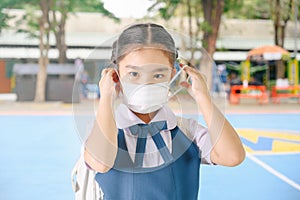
(198, 89)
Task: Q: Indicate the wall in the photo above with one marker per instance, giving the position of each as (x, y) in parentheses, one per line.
(4, 81)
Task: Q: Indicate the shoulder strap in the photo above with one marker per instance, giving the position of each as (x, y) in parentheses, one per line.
(83, 182)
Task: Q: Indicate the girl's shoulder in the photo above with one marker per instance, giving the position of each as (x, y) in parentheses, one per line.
(190, 127)
(184, 125)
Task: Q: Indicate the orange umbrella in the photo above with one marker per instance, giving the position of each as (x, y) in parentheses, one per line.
(267, 51)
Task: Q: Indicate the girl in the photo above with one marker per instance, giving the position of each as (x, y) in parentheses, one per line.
(141, 150)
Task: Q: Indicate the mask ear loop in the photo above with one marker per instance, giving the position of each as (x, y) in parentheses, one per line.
(174, 78)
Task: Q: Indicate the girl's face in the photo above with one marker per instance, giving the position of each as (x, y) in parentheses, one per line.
(146, 66)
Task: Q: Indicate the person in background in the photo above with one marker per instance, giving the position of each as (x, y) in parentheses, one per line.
(84, 82)
(234, 79)
(254, 81)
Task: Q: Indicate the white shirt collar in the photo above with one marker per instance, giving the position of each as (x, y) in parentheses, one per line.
(126, 118)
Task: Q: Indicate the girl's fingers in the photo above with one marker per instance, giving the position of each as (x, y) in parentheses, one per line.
(104, 71)
(109, 71)
(195, 73)
(107, 77)
(108, 74)
(190, 70)
(185, 85)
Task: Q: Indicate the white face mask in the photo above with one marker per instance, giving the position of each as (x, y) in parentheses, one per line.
(145, 98)
(148, 98)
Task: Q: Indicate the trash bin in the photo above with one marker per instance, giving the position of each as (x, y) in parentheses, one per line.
(25, 81)
(59, 85)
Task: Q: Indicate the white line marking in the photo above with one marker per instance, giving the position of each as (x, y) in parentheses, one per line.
(274, 172)
(272, 153)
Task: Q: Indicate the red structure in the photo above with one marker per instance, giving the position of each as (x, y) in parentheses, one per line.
(5, 83)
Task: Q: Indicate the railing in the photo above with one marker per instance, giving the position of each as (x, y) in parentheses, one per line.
(279, 92)
(239, 91)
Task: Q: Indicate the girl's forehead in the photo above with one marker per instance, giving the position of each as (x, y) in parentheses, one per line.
(143, 57)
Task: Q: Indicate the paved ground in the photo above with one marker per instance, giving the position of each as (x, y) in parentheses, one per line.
(59, 107)
(38, 153)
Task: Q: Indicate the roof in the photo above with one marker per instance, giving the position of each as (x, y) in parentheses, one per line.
(33, 53)
(250, 43)
(101, 54)
(52, 69)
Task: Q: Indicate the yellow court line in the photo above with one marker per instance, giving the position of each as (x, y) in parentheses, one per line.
(283, 141)
(253, 135)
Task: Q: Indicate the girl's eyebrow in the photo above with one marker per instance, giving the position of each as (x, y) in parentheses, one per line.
(154, 70)
(132, 67)
(161, 69)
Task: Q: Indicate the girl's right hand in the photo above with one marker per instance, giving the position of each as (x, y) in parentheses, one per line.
(107, 83)
(198, 89)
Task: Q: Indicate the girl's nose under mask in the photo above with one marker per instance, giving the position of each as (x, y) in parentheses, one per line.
(145, 98)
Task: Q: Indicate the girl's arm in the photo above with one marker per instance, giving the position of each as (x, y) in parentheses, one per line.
(101, 145)
(227, 146)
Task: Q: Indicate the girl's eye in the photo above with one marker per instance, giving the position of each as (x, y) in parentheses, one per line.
(133, 74)
(158, 76)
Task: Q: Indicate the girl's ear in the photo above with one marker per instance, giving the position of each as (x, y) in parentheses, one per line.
(116, 76)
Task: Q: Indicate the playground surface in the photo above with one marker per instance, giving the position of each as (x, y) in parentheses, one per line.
(39, 147)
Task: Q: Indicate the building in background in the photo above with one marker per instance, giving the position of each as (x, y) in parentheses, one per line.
(89, 36)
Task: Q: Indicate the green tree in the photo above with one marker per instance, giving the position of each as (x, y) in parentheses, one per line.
(37, 25)
(51, 18)
(61, 9)
(281, 11)
(44, 32)
(4, 15)
(211, 12)
(248, 9)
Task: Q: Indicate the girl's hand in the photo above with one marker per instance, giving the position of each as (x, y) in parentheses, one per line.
(198, 89)
(107, 83)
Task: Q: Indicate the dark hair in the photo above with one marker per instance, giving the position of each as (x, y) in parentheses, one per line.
(145, 35)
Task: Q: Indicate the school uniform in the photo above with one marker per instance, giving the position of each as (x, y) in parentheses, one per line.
(159, 160)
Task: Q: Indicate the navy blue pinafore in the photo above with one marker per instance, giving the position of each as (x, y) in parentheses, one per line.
(176, 179)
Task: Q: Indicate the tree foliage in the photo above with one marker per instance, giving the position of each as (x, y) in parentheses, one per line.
(94, 6)
(248, 9)
(204, 16)
(41, 18)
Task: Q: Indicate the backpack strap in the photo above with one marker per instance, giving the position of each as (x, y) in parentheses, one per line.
(83, 181)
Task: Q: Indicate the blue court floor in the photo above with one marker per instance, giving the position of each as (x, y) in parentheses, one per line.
(38, 152)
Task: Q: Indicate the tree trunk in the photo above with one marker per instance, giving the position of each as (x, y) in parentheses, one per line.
(281, 15)
(40, 91)
(62, 48)
(213, 10)
(183, 46)
(61, 43)
(277, 22)
(191, 35)
(41, 80)
(59, 31)
(280, 69)
(282, 32)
